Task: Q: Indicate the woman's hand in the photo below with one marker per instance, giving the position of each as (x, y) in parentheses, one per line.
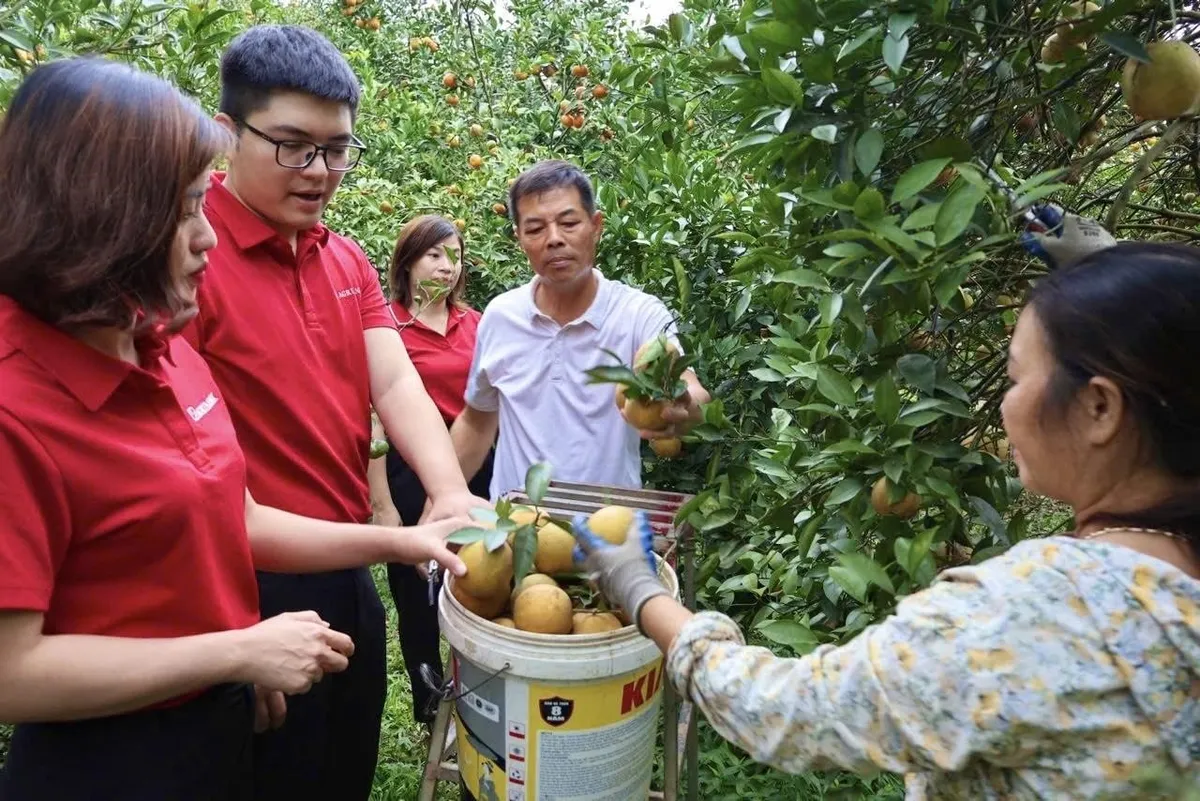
(292, 651)
(416, 545)
(627, 573)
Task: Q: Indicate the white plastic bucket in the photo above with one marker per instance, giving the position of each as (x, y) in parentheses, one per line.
(553, 718)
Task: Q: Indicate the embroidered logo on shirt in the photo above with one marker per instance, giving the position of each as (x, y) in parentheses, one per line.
(345, 293)
(205, 406)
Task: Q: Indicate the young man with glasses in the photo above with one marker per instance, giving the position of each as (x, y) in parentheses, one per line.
(295, 328)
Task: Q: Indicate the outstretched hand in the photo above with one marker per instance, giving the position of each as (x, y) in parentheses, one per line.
(627, 573)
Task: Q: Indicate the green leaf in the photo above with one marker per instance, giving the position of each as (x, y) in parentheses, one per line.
(495, 539)
(825, 133)
(716, 519)
(537, 481)
(778, 34)
(916, 178)
(918, 370)
(486, 515)
(854, 584)
(465, 536)
(923, 217)
(867, 570)
(894, 51)
(16, 40)
(867, 151)
(858, 41)
(525, 543)
(887, 399)
(1126, 45)
(742, 304)
(830, 307)
(899, 23)
(847, 489)
(610, 375)
(801, 277)
(681, 28)
(848, 446)
(766, 374)
(835, 386)
(794, 635)
(782, 88)
(956, 212)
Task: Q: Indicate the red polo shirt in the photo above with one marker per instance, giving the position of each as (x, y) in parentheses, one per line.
(122, 489)
(283, 334)
(443, 361)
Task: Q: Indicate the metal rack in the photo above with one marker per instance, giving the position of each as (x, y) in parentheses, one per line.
(677, 546)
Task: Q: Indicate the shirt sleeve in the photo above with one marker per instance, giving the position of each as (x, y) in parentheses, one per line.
(374, 308)
(481, 394)
(960, 672)
(34, 524)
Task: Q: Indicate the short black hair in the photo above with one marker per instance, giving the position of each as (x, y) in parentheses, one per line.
(271, 58)
(547, 175)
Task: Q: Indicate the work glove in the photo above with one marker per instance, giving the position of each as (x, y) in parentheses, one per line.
(1061, 238)
(628, 573)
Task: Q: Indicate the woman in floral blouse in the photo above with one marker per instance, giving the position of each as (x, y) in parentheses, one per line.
(1056, 669)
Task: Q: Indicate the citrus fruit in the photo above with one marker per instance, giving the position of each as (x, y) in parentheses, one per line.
(506, 622)
(1167, 87)
(532, 580)
(619, 396)
(595, 623)
(644, 415)
(554, 550)
(611, 523)
(543, 609)
(486, 608)
(666, 448)
(904, 508)
(488, 572)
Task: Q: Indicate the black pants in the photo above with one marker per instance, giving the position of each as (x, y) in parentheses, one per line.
(329, 743)
(418, 623)
(198, 751)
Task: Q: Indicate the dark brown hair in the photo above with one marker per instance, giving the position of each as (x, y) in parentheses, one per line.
(415, 240)
(95, 160)
(1129, 313)
(547, 175)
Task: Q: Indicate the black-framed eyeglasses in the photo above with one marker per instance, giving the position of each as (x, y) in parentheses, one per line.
(296, 154)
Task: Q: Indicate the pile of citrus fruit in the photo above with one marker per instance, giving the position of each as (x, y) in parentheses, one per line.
(553, 600)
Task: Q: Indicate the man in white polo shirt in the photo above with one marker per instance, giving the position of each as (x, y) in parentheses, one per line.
(535, 343)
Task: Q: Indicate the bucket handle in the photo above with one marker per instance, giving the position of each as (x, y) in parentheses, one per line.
(443, 689)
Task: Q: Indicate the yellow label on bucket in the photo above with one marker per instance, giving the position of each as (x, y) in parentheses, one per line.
(564, 741)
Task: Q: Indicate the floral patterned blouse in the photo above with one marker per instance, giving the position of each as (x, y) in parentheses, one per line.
(1051, 671)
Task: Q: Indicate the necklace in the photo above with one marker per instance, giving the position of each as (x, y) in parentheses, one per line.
(1134, 530)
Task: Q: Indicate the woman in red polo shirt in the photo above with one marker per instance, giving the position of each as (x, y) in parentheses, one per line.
(132, 658)
(427, 281)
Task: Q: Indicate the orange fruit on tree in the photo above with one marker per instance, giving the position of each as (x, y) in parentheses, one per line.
(454, 141)
(500, 208)
(449, 80)
(476, 130)
(475, 160)
(520, 75)
(579, 70)
(374, 24)
(470, 82)
(904, 508)
(452, 99)
(460, 224)
(564, 106)
(599, 91)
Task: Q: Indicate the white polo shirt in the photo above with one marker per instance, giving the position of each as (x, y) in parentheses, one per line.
(531, 370)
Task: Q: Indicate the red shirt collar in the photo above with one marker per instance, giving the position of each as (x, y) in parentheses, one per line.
(89, 375)
(247, 228)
